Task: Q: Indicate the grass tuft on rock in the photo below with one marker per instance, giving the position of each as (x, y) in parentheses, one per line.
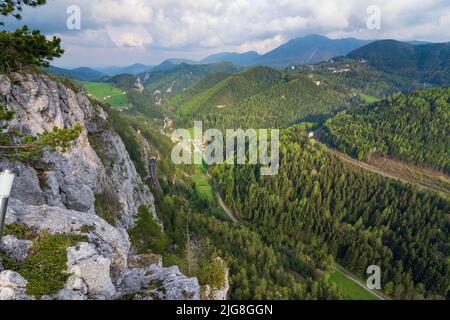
(44, 268)
(146, 236)
(19, 231)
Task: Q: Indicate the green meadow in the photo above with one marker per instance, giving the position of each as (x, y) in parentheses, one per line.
(368, 99)
(104, 90)
(351, 290)
(203, 187)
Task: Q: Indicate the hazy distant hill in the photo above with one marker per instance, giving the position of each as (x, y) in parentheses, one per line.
(133, 69)
(242, 59)
(309, 50)
(171, 63)
(428, 63)
(82, 74)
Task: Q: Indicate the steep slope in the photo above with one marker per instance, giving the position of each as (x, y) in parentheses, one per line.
(232, 90)
(262, 97)
(308, 50)
(70, 211)
(126, 82)
(163, 85)
(413, 128)
(429, 63)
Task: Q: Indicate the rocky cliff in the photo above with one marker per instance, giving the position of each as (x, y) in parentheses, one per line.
(57, 195)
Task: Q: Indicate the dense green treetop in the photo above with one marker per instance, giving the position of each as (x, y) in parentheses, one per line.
(414, 128)
(24, 48)
(318, 205)
(262, 98)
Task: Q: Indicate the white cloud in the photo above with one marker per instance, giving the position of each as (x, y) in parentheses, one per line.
(196, 26)
(121, 11)
(262, 46)
(129, 36)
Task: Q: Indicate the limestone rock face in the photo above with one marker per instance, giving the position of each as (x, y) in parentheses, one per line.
(138, 86)
(57, 194)
(100, 268)
(90, 269)
(71, 180)
(15, 248)
(155, 283)
(27, 185)
(12, 286)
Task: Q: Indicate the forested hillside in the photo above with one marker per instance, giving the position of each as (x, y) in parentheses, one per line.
(262, 97)
(413, 128)
(358, 74)
(430, 63)
(231, 90)
(317, 203)
(178, 78)
(80, 74)
(258, 270)
(124, 81)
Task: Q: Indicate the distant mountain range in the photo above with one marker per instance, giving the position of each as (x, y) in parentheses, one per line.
(240, 59)
(306, 50)
(133, 69)
(391, 56)
(82, 74)
(309, 50)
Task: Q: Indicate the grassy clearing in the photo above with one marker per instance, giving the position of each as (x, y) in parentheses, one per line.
(203, 187)
(104, 90)
(351, 290)
(369, 99)
(426, 177)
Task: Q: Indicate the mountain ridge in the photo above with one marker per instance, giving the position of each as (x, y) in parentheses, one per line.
(428, 62)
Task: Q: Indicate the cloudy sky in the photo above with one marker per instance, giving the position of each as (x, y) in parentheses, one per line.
(122, 32)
